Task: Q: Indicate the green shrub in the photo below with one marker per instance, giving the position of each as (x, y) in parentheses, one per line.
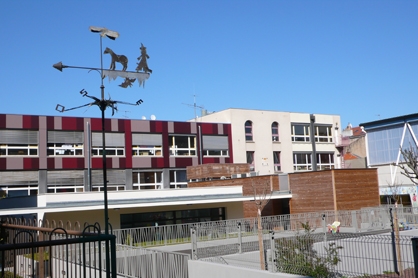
(296, 255)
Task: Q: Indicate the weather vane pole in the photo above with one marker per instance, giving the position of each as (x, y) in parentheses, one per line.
(141, 74)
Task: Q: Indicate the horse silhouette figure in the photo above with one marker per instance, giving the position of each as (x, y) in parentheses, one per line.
(116, 58)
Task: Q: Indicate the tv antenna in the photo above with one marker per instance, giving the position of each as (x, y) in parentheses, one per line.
(194, 106)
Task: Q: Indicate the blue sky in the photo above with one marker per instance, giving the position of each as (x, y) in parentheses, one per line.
(357, 59)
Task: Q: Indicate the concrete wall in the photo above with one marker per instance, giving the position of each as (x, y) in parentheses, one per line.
(200, 269)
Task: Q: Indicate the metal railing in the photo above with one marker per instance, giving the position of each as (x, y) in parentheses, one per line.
(45, 252)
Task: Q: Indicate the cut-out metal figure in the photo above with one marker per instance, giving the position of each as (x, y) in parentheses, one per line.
(142, 64)
(128, 82)
(116, 58)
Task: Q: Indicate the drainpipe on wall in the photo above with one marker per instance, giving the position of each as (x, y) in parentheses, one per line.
(314, 166)
(200, 146)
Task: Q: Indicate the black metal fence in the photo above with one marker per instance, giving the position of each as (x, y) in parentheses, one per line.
(30, 251)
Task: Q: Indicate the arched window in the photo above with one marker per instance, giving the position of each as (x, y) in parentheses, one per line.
(275, 132)
(248, 131)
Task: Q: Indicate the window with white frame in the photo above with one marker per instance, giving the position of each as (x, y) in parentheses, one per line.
(147, 180)
(178, 179)
(276, 160)
(65, 181)
(275, 132)
(18, 183)
(18, 142)
(325, 161)
(323, 133)
(302, 161)
(115, 144)
(248, 131)
(116, 180)
(250, 160)
(145, 144)
(300, 133)
(182, 145)
(214, 145)
(66, 143)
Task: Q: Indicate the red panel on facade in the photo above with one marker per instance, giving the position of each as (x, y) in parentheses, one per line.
(30, 122)
(50, 163)
(2, 121)
(158, 162)
(183, 162)
(30, 163)
(3, 163)
(208, 128)
(128, 143)
(158, 127)
(180, 127)
(50, 123)
(69, 123)
(96, 124)
(97, 163)
(73, 163)
(121, 125)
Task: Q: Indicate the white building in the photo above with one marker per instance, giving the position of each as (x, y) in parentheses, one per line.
(276, 142)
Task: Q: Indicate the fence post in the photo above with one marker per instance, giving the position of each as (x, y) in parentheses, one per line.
(415, 252)
(194, 243)
(154, 264)
(354, 220)
(273, 252)
(239, 238)
(165, 235)
(324, 227)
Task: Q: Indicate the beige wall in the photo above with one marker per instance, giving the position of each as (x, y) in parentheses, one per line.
(263, 145)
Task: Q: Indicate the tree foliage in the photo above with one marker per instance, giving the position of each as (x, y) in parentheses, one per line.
(410, 166)
(296, 255)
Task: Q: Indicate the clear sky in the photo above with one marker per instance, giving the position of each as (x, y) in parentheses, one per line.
(357, 59)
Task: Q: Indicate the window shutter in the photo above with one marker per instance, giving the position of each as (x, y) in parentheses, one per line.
(69, 137)
(112, 139)
(19, 137)
(215, 142)
(10, 178)
(65, 177)
(147, 139)
(114, 177)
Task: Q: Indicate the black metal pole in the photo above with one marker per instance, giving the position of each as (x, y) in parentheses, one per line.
(392, 233)
(106, 213)
(312, 131)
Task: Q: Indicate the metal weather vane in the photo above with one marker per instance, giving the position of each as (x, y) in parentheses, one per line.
(142, 70)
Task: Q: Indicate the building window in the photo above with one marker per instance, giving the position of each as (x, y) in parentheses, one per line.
(250, 160)
(18, 142)
(161, 218)
(215, 145)
(147, 144)
(275, 132)
(178, 179)
(248, 131)
(182, 145)
(302, 161)
(300, 133)
(65, 143)
(115, 180)
(65, 181)
(147, 180)
(18, 183)
(276, 160)
(323, 134)
(325, 161)
(115, 144)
